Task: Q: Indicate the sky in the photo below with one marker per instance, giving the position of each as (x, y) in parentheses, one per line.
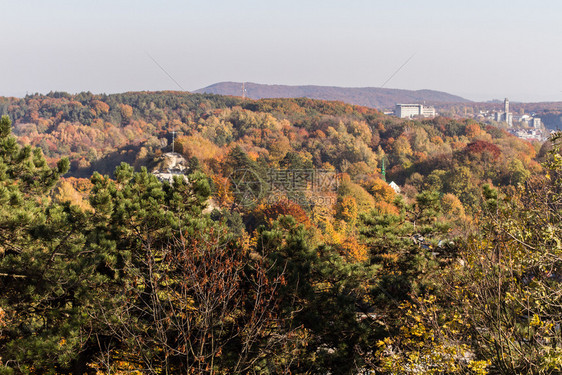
(480, 50)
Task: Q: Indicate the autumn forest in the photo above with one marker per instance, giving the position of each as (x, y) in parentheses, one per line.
(290, 236)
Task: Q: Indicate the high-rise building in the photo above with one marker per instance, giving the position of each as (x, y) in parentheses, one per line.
(508, 115)
(413, 110)
(505, 116)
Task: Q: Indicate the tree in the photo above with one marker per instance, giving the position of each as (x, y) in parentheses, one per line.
(46, 272)
(431, 341)
(382, 192)
(512, 277)
(321, 298)
(184, 294)
(497, 309)
(404, 247)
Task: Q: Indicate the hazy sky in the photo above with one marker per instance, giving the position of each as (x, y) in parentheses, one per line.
(479, 49)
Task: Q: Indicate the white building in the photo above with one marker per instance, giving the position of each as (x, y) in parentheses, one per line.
(530, 134)
(505, 116)
(395, 187)
(531, 121)
(536, 123)
(413, 110)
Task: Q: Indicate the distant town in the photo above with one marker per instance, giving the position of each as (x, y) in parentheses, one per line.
(526, 126)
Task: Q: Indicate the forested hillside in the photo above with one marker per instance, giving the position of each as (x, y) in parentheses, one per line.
(375, 97)
(283, 250)
(97, 132)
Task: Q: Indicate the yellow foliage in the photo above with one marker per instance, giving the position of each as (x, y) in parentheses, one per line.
(365, 201)
(421, 349)
(347, 209)
(197, 146)
(65, 192)
(279, 148)
(332, 236)
(382, 191)
(535, 321)
(452, 206)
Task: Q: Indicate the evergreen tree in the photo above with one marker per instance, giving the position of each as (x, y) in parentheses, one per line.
(183, 294)
(405, 247)
(45, 270)
(322, 298)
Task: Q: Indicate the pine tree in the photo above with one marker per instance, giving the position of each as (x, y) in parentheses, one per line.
(322, 297)
(183, 293)
(45, 271)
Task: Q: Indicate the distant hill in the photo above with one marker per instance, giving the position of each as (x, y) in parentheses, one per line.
(373, 97)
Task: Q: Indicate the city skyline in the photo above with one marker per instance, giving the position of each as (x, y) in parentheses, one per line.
(480, 51)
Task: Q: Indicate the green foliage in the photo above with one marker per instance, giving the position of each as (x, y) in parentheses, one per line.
(45, 272)
(321, 295)
(411, 249)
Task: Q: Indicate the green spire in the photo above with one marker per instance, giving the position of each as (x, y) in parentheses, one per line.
(383, 171)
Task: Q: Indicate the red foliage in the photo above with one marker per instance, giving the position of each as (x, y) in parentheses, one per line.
(288, 207)
(479, 147)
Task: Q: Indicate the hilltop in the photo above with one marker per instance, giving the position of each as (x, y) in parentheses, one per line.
(374, 97)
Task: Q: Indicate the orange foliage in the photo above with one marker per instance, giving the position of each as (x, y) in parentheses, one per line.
(272, 212)
(253, 155)
(365, 110)
(420, 156)
(320, 134)
(473, 130)
(2, 318)
(390, 142)
(457, 145)
(353, 251)
(100, 107)
(302, 133)
(382, 192)
(386, 208)
(222, 194)
(126, 111)
(197, 146)
(437, 140)
(82, 185)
